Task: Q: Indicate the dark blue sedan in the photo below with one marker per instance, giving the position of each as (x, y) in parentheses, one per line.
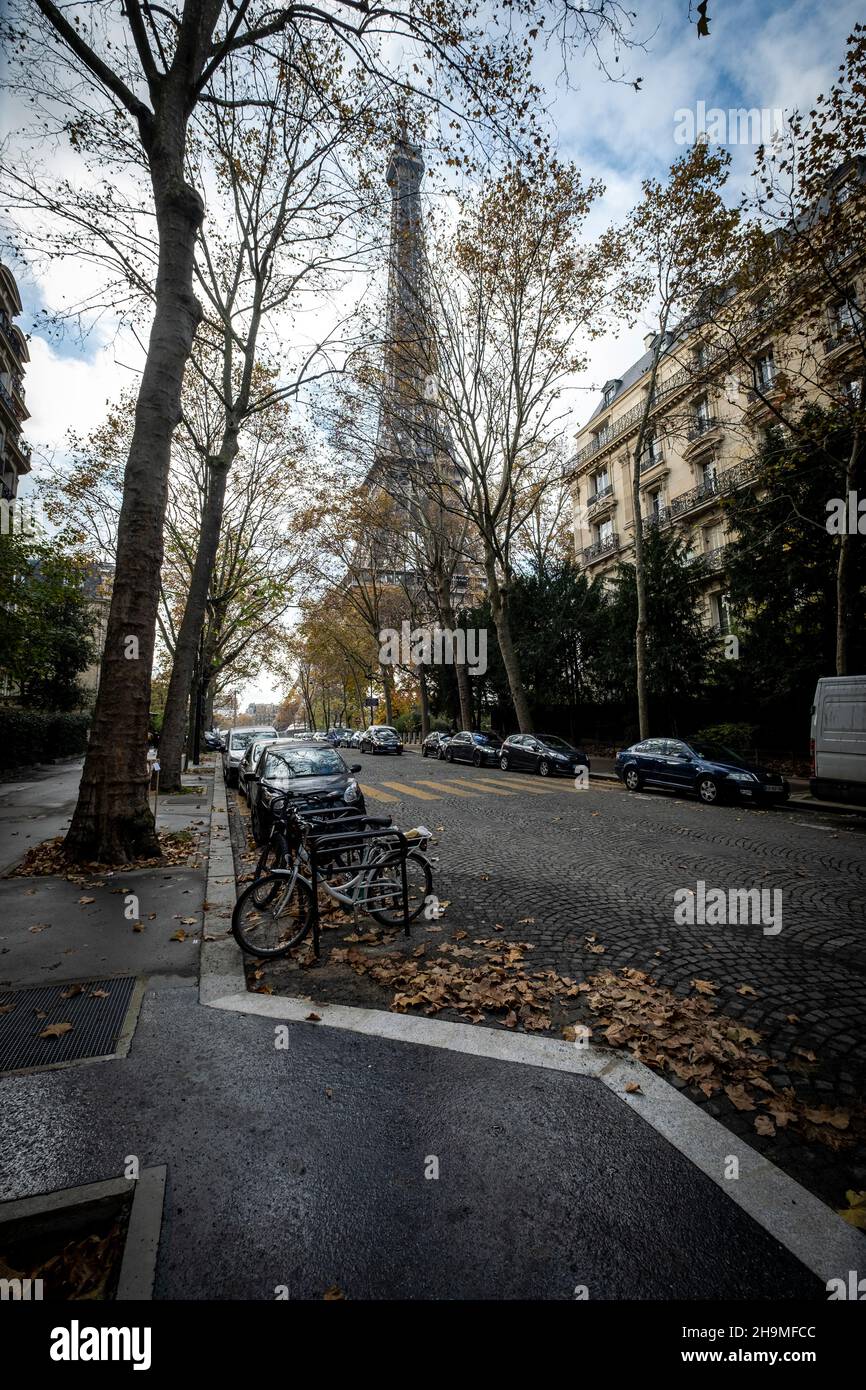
(711, 770)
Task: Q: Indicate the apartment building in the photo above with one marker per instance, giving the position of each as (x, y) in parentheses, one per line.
(14, 453)
(710, 409)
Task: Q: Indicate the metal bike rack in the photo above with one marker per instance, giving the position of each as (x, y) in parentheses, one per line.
(321, 846)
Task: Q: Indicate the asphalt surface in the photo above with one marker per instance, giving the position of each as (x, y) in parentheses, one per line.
(35, 804)
(305, 1168)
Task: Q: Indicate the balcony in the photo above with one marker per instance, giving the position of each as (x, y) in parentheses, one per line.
(9, 333)
(658, 518)
(601, 494)
(608, 546)
(701, 426)
(715, 559)
(717, 485)
(6, 492)
(651, 457)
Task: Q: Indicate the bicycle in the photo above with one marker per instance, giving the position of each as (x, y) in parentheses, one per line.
(379, 871)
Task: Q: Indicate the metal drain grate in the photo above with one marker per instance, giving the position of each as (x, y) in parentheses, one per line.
(96, 1018)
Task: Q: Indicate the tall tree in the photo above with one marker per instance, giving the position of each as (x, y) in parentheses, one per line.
(134, 71)
(681, 239)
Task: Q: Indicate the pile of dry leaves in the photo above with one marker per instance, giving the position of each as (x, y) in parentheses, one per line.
(179, 847)
(492, 979)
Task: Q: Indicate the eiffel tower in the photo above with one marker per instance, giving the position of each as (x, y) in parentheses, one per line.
(406, 437)
(412, 463)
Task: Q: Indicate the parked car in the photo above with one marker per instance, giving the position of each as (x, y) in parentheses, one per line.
(434, 745)
(709, 769)
(236, 743)
(289, 767)
(346, 736)
(357, 739)
(482, 750)
(546, 754)
(838, 739)
(381, 738)
(212, 739)
(336, 735)
(250, 758)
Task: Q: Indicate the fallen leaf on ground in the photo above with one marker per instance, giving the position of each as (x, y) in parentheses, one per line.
(56, 1030)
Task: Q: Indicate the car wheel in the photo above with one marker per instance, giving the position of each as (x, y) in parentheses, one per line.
(441, 755)
(476, 759)
(503, 762)
(449, 756)
(633, 780)
(708, 790)
(544, 768)
(423, 752)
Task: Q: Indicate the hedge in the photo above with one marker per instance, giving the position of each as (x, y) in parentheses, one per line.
(35, 736)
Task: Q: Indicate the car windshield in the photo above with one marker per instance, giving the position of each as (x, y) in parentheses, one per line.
(717, 753)
(244, 737)
(489, 739)
(385, 729)
(286, 765)
(558, 743)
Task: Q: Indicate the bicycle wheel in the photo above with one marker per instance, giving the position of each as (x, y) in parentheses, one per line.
(385, 887)
(272, 928)
(275, 855)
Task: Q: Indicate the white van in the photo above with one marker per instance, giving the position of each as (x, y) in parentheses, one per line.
(839, 739)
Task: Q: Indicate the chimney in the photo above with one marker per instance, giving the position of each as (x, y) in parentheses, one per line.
(648, 340)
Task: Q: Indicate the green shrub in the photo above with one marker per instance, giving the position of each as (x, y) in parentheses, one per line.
(35, 736)
(739, 737)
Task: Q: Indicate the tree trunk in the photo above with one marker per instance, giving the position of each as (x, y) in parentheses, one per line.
(425, 702)
(113, 821)
(389, 702)
(448, 619)
(844, 568)
(189, 635)
(640, 630)
(502, 619)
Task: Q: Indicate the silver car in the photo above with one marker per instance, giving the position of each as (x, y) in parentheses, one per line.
(236, 744)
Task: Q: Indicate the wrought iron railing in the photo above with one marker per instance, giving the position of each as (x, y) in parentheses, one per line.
(603, 547)
(701, 425)
(600, 494)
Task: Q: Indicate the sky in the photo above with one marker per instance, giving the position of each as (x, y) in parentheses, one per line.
(768, 54)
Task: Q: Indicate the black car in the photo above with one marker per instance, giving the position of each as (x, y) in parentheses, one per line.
(710, 770)
(295, 769)
(546, 754)
(482, 750)
(381, 738)
(434, 745)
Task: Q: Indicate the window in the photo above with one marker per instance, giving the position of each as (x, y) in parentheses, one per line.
(601, 482)
(605, 531)
(713, 538)
(708, 475)
(721, 611)
(655, 501)
(845, 313)
(765, 370)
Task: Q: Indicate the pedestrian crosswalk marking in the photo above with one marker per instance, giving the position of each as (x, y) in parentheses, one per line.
(476, 786)
(443, 786)
(378, 795)
(412, 791)
(523, 784)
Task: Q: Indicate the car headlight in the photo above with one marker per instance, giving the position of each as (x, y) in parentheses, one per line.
(742, 777)
(352, 792)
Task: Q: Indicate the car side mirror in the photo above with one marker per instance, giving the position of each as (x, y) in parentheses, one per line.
(357, 767)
